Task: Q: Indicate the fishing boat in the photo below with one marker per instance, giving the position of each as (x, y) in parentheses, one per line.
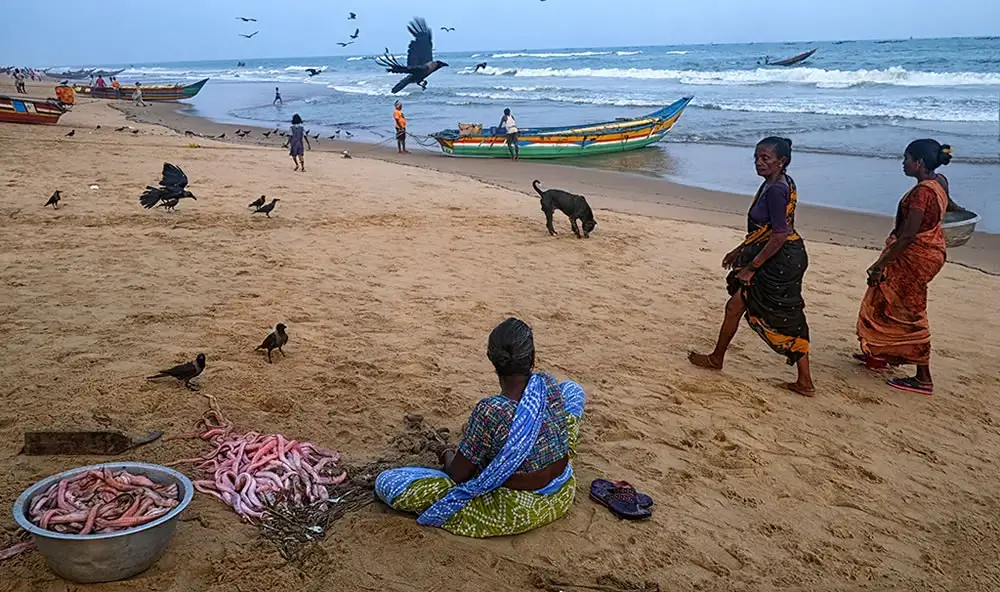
(106, 73)
(620, 135)
(794, 60)
(70, 74)
(149, 93)
(24, 110)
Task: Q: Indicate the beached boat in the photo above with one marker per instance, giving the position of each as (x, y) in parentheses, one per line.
(149, 93)
(23, 110)
(794, 60)
(559, 142)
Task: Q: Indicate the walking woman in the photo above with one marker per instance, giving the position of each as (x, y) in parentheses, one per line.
(892, 326)
(295, 143)
(765, 284)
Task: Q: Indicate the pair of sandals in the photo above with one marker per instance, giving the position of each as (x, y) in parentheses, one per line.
(622, 499)
(909, 384)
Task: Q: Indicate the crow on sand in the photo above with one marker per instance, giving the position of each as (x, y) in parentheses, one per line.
(71, 133)
(266, 210)
(420, 62)
(54, 200)
(184, 372)
(172, 185)
(255, 204)
(275, 341)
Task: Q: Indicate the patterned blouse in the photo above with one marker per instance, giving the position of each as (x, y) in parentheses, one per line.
(489, 425)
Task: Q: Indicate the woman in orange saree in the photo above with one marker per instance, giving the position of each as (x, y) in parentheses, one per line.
(892, 326)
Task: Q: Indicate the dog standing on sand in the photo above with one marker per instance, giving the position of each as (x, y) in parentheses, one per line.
(574, 206)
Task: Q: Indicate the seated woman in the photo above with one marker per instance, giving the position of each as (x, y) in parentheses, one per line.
(765, 283)
(511, 472)
(892, 325)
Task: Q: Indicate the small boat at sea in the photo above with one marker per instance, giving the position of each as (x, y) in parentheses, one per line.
(621, 135)
(24, 110)
(175, 92)
(793, 60)
(106, 73)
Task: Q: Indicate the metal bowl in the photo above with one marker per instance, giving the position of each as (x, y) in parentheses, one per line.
(958, 227)
(91, 558)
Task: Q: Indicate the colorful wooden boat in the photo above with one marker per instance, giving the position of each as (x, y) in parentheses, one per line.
(24, 110)
(559, 142)
(149, 93)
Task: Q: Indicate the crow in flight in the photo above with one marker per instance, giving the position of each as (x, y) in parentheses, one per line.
(480, 66)
(172, 185)
(356, 33)
(447, 29)
(342, 44)
(420, 62)
(313, 71)
(351, 16)
(250, 35)
(247, 20)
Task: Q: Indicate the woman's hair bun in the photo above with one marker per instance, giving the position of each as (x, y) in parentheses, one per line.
(944, 154)
(789, 142)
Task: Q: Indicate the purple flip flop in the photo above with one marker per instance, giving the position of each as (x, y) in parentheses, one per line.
(622, 499)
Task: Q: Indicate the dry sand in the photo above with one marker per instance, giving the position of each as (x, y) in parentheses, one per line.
(389, 278)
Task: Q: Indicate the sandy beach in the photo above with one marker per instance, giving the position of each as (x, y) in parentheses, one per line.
(390, 276)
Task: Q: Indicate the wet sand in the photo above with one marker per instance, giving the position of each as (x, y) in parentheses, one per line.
(390, 278)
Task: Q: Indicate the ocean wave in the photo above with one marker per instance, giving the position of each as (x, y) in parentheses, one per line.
(627, 53)
(616, 101)
(364, 90)
(677, 52)
(357, 58)
(805, 76)
(575, 54)
(304, 68)
(922, 112)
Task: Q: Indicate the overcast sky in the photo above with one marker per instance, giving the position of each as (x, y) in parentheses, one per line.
(82, 32)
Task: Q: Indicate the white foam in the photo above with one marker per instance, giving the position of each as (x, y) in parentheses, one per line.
(304, 68)
(944, 111)
(371, 92)
(627, 53)
(575, 54)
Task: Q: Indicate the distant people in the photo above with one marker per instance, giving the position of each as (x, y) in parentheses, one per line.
(509, 125)
(19, 82)
(400, 121)
(892, 326)
(137, 95)
(277, 97)
(117, 88)
(100, 84)
(765, 284)
(296, 149)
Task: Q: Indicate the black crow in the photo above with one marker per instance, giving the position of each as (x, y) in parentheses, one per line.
(172, 185)
(480, 66)
(420, 62)
(54, 200)
(266, 210)
(183, 372)
(257, 202)
(275, 341)
(135, 131)
(447, 29)
(268, 134)
(189, 133)
(351, 16)
(98, 127)
(356, 33)
(169, 204)
(250, 35)
(313, 71)
(71, 133)
(342, 44)
(247, 20)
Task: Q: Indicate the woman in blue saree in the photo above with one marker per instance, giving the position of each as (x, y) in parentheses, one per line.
(511, 473)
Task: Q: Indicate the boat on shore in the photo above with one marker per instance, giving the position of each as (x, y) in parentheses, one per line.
(620, 135)
(793, 60)
(25, 110)
(175, 92)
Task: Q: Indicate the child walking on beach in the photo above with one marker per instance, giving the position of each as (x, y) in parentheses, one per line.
(277, 98)
(295, 143)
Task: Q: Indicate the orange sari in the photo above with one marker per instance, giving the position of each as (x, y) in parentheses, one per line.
(893, 324)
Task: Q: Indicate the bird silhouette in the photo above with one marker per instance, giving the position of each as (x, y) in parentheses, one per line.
(275, 341)
(313, 71)
(121, 129)
(342, 44)
(480, 66)
(168, 205)
(356, 33)
(185, 372)
(221, 136)
(351, 16)
(54, 200)
(173, 184)
(257, 202)
(266, 210)
(447, 29)
(250, 36)
(268, 134)
(71, 133)
(420, 62)
(246, 20)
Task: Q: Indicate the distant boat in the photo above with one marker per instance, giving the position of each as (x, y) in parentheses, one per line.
(149, 93)
(96, 73)
(620, 135)
(71, 74)
(792, 61)
(22, 110)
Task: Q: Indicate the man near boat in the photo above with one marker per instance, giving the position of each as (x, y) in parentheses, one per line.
(509, 125)
(400, 121)
(117, 88)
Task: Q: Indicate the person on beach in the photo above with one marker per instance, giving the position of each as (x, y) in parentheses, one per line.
(100, 82)
(765, 284)
(400, 122)
(511, 472)
(277, 97)
(297, 142)
(892, 326)
(508, 123)
(137, 95)
(117, 87)
(65, 94)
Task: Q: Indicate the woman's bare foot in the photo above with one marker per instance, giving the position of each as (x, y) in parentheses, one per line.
(806, 390)
(703, 361)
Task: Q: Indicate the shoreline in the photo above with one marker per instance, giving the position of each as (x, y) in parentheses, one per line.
(616, 191)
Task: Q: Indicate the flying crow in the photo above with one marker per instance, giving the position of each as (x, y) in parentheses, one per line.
(266, 210)
(313, 71)
(342, 44)
(247, 20)
(183, 372)
(420, 62)
(172, 185)
(351, 16)
(275, 341)
(250, 35)
(356, 33)
(255, 204)
(169, 204)
(480, 66)
(447, 29)
(54, 200)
